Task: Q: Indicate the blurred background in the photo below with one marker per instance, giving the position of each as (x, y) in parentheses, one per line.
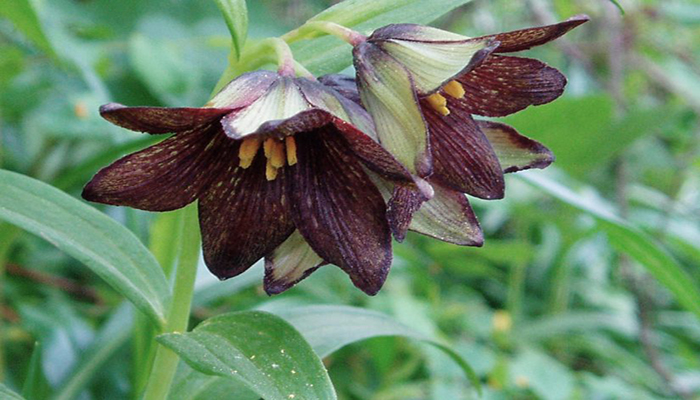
(549, 308)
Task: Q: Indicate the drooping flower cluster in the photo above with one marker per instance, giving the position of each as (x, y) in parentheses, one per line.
(306, 172)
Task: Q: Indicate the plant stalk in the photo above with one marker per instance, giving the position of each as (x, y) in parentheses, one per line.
(166, 361)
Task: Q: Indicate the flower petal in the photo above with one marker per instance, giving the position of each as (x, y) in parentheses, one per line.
(388, 94)
(343, 84)
(433, 61)
(515, 151)
(338, 210)
(160, 119)
(282, 101)
(448, 217)
(244, 90)
(289, 263)
(403, 204)
(524, 39)
(166, 176)
(464, 159)
(504, 85)
(243, 218)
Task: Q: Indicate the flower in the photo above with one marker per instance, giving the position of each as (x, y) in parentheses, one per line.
(278, 165)
(422, 85)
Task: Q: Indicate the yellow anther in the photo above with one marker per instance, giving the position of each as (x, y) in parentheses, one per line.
(439, 103)
(270, 171)
(249, 148)
(274, 151)
(291, 150)
(455, 89)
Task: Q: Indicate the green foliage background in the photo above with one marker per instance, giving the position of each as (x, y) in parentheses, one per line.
(587, 286)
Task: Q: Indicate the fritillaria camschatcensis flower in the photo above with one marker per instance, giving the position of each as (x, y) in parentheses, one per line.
(422, 85)
(279, 166)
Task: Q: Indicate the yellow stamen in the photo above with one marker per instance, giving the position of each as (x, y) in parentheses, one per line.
(455, 89)
(439, 103)
(291, 150)
(249, 148)
(278, 157)
(270, 171)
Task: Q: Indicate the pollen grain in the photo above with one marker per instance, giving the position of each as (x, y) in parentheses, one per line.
(270, 171)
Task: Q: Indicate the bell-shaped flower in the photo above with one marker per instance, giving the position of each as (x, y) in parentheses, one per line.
(280, 168)
(448, 216)
(422, 85)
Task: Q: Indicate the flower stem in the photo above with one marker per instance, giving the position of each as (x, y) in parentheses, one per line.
(165, 363)
(346, 34)
(285, 58)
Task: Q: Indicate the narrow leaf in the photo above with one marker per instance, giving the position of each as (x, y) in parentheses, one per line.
(630, 240)
(35, 386)
(328, 328)
(105, 246)
(258, 349)
(23, 15)
(7, 394)
(236, 16)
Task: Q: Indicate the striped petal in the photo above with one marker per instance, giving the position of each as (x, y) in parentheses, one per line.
(290, 263)
(165, 176)
(243, 218)
(515, 151)
(338, 210)
(524, 39)
(504, 85)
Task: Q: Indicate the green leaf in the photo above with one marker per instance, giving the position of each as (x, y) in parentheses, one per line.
(619, 6)
(630, 240)
(111, 337)
(109, 249)
(260, 350)
(236, 16)
(194, 385)
(7, 394)
(35, 386)
(23, 15)
(328, 328)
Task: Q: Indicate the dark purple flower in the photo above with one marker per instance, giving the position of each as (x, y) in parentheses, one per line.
(468, 156)
(422, 85)
(280, 168)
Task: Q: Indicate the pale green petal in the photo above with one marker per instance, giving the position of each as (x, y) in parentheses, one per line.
(282, 101)
(434, 63)
(289, 263)
(515, 152)
(388, 94)
(448, 217)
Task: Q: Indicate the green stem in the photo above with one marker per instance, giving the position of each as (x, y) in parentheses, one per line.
(308, 29)
(165, 238)
(8, 234)
(165, 363)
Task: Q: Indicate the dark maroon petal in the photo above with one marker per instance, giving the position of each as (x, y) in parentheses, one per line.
(165, 176)
(372, 154)
(343, 84)
(504, 85)
(289, 264)
(160, 119)
(338, 210)
(524, 39)
(515, 151)
(243, 217)
(463, 158)
(404, 202)
(448, 217)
